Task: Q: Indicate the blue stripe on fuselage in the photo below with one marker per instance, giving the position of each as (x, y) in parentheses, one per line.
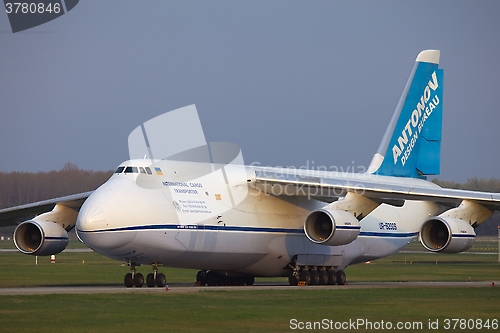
(247, 229)
(388, 234)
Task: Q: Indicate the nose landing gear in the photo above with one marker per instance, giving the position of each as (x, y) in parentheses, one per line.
(137, 279)
(133, 278)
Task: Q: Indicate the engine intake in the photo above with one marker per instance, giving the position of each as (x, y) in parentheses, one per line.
(40, 238)
(446, 235)
(331, 227)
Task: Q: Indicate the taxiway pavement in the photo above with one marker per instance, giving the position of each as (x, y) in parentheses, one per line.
(187, 288)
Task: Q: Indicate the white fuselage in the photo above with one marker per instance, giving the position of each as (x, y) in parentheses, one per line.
(207, 217)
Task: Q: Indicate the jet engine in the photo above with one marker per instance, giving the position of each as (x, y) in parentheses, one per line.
(40, 238)
(331, 227)
(446, 235)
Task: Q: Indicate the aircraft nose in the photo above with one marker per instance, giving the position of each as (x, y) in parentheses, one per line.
(97, 223)
(91, 216)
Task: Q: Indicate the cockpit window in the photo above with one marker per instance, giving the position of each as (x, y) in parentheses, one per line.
(131, 169)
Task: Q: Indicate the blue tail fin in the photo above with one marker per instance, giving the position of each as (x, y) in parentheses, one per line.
(411, 145)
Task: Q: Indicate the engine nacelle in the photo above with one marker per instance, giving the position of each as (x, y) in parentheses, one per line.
(447, 235)
(40, 238)
(331, 227)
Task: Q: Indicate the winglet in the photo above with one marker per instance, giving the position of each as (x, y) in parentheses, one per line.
(411, 144)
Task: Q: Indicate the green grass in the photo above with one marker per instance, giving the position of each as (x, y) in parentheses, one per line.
(241, 311)
(73, 269)
(481, 244)
(249, 310)
(428, 267)
(89, 268)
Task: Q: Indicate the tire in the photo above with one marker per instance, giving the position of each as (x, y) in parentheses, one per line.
(315, 277)
(305, 276)
(161, 280)
(341, 278)
(249, 280)
(201, 278)
(332, 277)
(150, 280)
(212, 278)
(215, 279)
(323, 277)
(138, 280)
(236, 281)
(127, 280)
(292, 280)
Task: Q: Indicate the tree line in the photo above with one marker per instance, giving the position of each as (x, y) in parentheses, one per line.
(17, 188)
(472, 184)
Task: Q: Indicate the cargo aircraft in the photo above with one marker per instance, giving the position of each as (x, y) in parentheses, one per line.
(234, 222)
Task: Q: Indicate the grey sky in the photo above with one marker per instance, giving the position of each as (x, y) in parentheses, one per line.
(290, 82)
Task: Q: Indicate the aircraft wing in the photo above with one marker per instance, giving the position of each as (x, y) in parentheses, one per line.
(14, 215)
(382, 189)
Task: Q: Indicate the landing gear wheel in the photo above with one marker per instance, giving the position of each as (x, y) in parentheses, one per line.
(138, 280)
(332, 277)
(248, 280)
(323, 277)
(341, 278)
(150, 280)
(305, 276)
(314, 277)
(292, 280)
(128, 281)
(161, 280)
(212, 279)
(201, 278)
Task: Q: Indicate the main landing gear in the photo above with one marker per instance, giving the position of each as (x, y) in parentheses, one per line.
(137, 279)
(316, 276)
(212, 278)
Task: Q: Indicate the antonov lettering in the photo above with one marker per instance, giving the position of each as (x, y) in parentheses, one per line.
(409, 135)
